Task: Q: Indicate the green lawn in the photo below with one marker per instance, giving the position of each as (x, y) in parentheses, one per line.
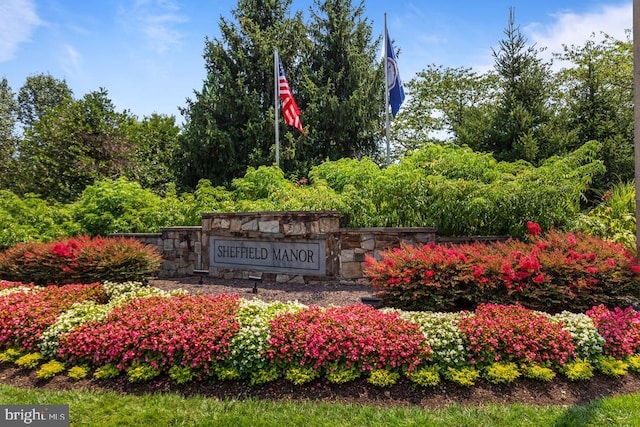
(111, 409)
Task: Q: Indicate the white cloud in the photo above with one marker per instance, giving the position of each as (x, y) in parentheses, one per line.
(570, 28)
(71, 61)
(18, 20)
(157, 21)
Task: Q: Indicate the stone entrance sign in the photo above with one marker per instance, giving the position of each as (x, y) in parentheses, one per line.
(308, 257)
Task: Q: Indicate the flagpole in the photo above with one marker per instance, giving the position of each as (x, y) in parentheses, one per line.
(386, 87)
(276, 99)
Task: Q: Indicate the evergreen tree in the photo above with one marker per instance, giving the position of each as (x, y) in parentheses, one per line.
(345, 84)
(519, 125)
(230, 123)
(598, 101)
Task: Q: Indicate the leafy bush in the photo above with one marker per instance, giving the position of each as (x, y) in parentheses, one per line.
(425, 377)
(383, 378)
(614, 219)
(300, 374)
(498, 333)
(139, 372)
(578, 369)
(337, 374)
(461, 192)
(556, 272)
(106, 372)
(29, 361)
(30, 218)
(78, 372)
(538, 372)
(122, 206)
(181, 374)
(502, 372)
(10, 355)
(79, 260)
(634, 362)
(464, 376)
(613, 367)
(50, 369)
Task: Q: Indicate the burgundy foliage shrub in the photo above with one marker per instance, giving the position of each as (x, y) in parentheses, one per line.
(555, 272)
(79, 260)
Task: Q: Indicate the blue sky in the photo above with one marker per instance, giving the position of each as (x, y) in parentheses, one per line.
(148, 53)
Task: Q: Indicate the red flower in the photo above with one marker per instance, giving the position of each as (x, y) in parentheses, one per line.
(533, 228)
(539, 278)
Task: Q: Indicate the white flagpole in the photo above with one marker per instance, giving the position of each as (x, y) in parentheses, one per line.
(386, 87)
(276, 97)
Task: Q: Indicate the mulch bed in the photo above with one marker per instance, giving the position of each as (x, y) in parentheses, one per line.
(404, 393)
(560, 391)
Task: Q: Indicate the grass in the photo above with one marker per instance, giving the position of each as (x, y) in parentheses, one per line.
(110, 409)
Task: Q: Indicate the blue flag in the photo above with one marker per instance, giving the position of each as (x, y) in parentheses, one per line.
(396, 91)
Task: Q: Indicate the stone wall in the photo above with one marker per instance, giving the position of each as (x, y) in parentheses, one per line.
(188, 249)
(357, 243)
(181, 249)
(274, 227)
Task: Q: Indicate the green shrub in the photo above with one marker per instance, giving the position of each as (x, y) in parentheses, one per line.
(464, 376)
(181, 374)
(10, 355)
(50, 369)
(79, 260)
(634, 362)
(502, 372)
(613, 367)
(264, 375)
(383, 378)
(614, 219)
(142, 372)
(300, 374)
(29, 361)
(106, 372)
(225, 373)
(121, 206)
(78, 372)
(339, 375)
(538, 372)
(30, 218)
(578, 370)
(425, 377)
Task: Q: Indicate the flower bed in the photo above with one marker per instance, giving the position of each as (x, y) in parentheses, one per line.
(134, 331)
(555, 272)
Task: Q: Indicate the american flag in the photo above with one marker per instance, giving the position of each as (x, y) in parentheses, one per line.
(290, 109)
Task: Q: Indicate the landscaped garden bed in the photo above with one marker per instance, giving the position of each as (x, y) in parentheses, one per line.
(131, 336)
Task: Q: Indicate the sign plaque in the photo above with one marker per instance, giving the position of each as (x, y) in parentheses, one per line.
(294, 257)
